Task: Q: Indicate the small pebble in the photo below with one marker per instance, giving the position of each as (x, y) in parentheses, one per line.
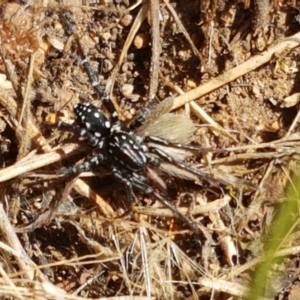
(126, 20)
(141, 41)
(127, 90)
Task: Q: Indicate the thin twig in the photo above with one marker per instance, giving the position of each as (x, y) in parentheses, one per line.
(134, 29)
(156, 47)
(246, 67)
(182, 28)
(24, 262)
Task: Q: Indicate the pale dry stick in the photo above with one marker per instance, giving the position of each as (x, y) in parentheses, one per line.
(39, 291)
(156, 47)
(10, 251)
(28, 156)
(289, 251)
(25, 263)
(76, 261)
(247, 156)
(12, 286)
(291, 141)
(293, 125)
(221, 285)
(244, 68)
(83, 189)
(142, 234)
(201, 114)
(135, 5)
(27, 88)
(197, 210)
(238, 270)
(271, 164)
(36, 162)
(182, 28)
(25, 141)
(225, 239)
(131, 35)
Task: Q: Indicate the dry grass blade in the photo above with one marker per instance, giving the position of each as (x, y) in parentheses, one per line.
(156, 47)
(37, 162)
(182, 28)
(27, 266)
(220, 285)
(244, 68)
(134, 28)
(197, 210)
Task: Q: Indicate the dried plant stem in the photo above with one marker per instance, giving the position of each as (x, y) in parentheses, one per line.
(156, 47)
(164, 212)
(246, 67)
(220, 285)
(25, 263)
(134, 29)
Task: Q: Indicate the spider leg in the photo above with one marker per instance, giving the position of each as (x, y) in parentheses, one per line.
(96, 85)
(183, 166)
(125, 179)
(153, 111)
(176, 212)
(214, 180)
(86, 166)
(141, 118)
(93, 140)
(158, 140)
(69, 23)
(138, 181)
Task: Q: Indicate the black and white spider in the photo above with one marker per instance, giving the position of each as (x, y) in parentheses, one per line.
(134, 157)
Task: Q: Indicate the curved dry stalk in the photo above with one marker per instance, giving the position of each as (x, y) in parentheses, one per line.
(134, 29)
(156, 48)
(244, 68)
(36, 162)
(225, 286)
(199, 209)
(25, 263)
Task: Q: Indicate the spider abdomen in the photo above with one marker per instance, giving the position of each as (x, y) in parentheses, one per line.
(125, 150)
